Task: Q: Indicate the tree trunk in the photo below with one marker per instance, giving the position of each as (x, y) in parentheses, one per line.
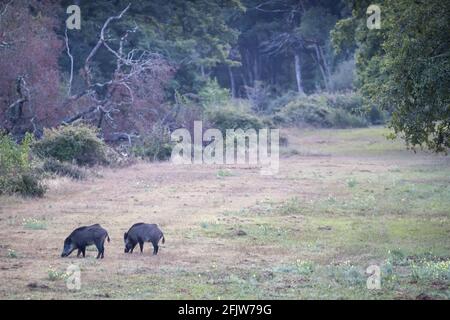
(232, 82)
(326, 67)
(298, 74)
(322, 67)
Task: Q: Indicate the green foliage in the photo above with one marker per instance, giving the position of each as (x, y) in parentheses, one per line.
(305, 268)
(233, 118)
(54, 274)
(34, 224)
(72, 143)
(416, 71)
(224, 173)
(347, 274)
(343, 119)
(403, 67)
(155, 146)
(212, 95)
(16, 172)
(12, 254)
(430, 270)
(316, 24)
(326, 111)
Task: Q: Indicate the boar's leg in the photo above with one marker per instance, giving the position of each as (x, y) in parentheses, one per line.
(83, 250)
(101, 249)
(141, 245)
(78, 253)
(155, 248)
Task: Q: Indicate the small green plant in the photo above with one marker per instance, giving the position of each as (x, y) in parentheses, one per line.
(34, 224)
(347, 274)
(290, 207)
(305, 268)
(54, 274)
(12, 254)
(351, 183)
(224, 173)
(397, 258)
(430, 270)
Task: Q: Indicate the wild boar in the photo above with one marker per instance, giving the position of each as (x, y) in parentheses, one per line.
(85, 236)
(140, 233)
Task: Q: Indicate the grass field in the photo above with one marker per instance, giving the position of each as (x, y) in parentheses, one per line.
(343, 200)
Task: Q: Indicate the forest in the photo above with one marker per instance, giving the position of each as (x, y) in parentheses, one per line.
(91, 92)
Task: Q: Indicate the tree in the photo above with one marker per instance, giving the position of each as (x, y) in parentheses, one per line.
(404, 67)
(124, 102)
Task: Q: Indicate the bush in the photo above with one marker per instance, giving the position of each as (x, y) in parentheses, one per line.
(16, 172)
(340, 118)
(72, 143)
(350, 102)
(301, 112)
(324, 110)
(63, 169)
(155, 146)
(231, 118)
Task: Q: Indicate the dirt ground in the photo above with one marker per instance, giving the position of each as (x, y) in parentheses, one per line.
(229, 230)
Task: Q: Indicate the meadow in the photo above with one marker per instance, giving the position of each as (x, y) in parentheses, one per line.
(343, 200)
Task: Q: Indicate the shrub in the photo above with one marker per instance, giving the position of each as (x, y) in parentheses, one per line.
(340, 118)
(16, 172)
(72, 143)
(29, 184)
(324, 110)
(350, 102)
(63, 169)
(231, 118)
(277, 103)
(300, 112)
(155, 146)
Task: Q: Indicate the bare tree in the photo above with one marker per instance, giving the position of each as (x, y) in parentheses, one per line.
(134, 89)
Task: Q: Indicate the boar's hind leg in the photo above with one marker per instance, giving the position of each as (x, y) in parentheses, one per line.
(155, 248)
(101, 249)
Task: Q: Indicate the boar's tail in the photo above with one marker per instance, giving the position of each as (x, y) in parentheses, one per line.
(107, 238)
(163, 240)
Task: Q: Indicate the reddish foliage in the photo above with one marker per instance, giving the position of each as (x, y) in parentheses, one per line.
(30, 49)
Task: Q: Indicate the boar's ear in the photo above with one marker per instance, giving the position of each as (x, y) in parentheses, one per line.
(125, 235)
